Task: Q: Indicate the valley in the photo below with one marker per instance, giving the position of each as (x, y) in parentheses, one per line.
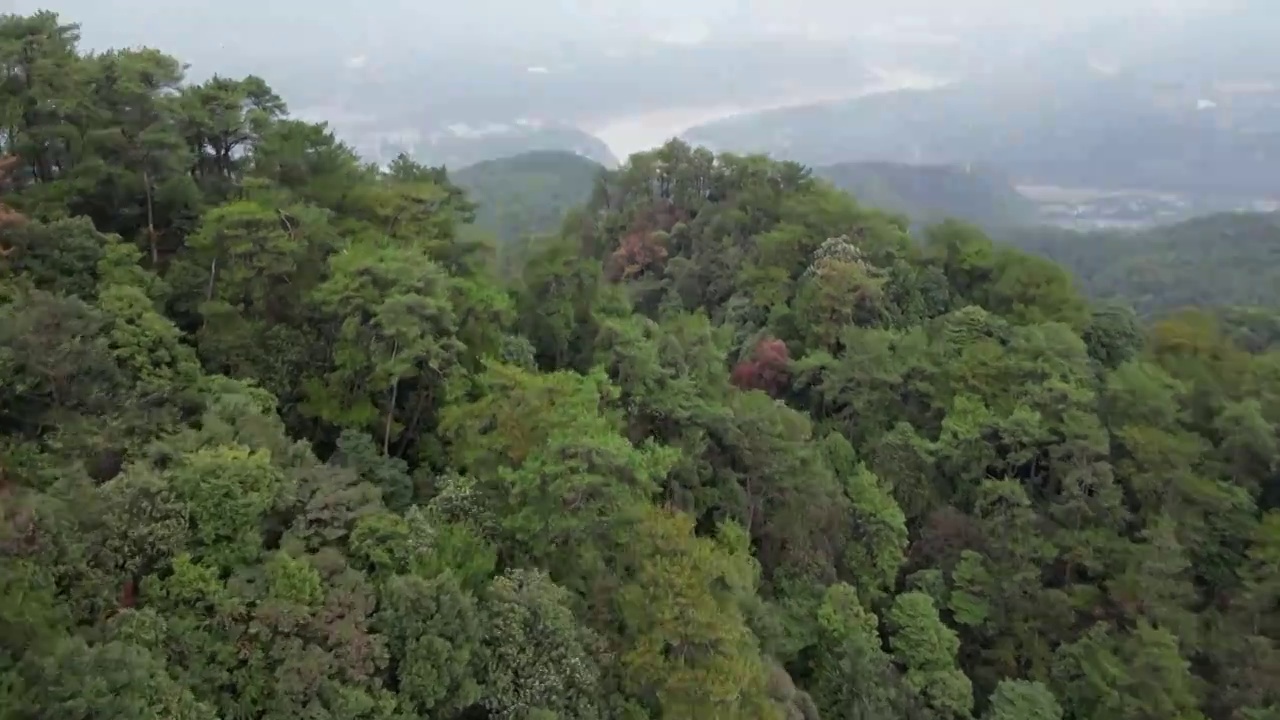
(1094, 208)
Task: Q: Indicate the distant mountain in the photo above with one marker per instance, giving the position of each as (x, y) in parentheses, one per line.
(1223, 260)
(423, 94)
(461, 145)
(527, 194)
(931, 193)
(1047, 125)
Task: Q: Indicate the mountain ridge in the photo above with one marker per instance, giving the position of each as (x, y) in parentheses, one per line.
(528, 193)
(929, 193)
(1092, 129)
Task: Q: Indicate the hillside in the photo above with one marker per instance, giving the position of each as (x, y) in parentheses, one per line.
(1213, 261)
(277, 442)
(931, 193)
(1067, 126)
(527, 194)
(458, 146)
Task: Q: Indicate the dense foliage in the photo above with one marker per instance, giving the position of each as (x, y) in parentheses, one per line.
(275, 443)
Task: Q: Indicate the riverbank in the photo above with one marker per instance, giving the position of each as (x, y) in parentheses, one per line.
(644, 131)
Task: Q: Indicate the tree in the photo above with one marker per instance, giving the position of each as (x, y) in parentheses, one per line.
(767, 369)
(537, 656)
(395, 344)
(853, 678)
(110, 680)
(1141, 675)
(688, 648)
(1019, 699)
(435, 632)
(926, 649)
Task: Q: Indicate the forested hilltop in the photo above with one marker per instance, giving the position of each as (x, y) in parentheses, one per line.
(928, 194)
(275, 442)
(527, 194)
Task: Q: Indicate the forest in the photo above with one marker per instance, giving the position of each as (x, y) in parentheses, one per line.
(278, 440)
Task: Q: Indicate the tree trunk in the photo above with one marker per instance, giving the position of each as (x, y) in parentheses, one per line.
(391, 410)
(391, 224)
(151, 222)
(213, 273)
(412, 427)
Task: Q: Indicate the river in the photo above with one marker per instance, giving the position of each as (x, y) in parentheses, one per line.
(644, 131)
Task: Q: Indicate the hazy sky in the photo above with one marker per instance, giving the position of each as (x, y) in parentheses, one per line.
(600, 63)
(290, 22)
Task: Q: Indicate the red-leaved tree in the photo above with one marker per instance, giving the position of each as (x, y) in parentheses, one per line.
(768, 368)
(637, 253)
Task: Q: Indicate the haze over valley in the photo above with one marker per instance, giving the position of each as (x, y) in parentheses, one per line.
(1177, 103)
